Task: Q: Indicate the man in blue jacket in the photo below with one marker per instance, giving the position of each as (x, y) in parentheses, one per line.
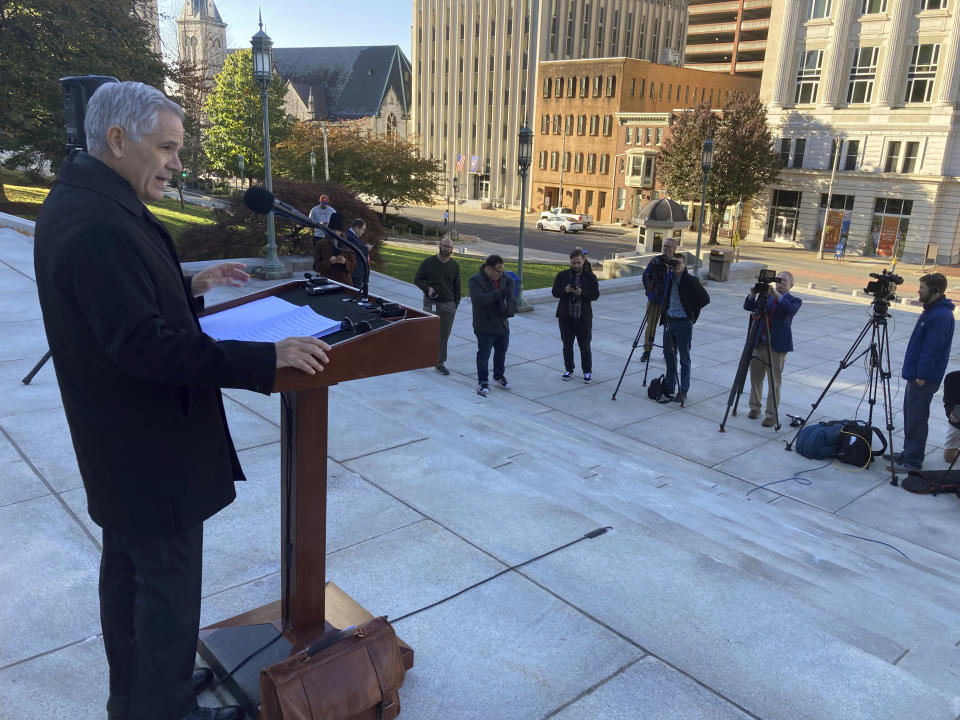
(780, 308)
(923, 368)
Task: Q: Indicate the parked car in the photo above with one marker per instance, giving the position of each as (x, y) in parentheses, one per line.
(582, 218)
(552, 222)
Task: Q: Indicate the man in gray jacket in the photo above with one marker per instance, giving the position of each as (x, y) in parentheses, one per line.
(492, 297)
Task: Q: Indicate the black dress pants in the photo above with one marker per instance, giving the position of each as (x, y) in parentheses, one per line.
(581, 331)
(150, 615)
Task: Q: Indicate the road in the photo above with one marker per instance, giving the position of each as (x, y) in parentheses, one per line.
(505, 230)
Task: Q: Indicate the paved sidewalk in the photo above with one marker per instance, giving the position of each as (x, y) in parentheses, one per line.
(728, 587)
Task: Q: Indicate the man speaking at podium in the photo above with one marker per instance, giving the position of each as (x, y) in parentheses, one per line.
(140, 387)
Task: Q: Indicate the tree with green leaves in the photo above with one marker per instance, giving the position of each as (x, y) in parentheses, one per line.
(744, 161)
(236, 119)
(44, 40)
(388, 169)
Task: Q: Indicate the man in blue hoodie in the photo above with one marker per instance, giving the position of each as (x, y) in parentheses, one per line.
(923, 368)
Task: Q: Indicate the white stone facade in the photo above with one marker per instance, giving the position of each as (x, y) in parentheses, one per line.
(474, 72)
(885, 83)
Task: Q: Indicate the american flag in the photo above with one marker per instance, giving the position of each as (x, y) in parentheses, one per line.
(460, 161)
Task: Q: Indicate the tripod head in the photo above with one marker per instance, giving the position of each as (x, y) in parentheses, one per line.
(762, 289)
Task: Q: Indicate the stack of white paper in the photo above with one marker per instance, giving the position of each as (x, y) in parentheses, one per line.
(269, 319)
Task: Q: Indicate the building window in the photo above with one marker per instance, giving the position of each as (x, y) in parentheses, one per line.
(581, 125)
(933, 5)
(547, 86)
(628, 135)
(584, 86)
(568, 124)
(611, 85)
(578, 163)
(862, 73)
(545, 125)
(608, 125)
(922, 72)
(566, 162)
(543, 159)
(571, 87)
(592, 163)
(784, 212)
(659, 135)
(604, 164)
(888, 230)
(576, 198)
(594, 124)
(615, 33)
(784, 152)
(601, 26)
(853, 151)
(799, 146)
(808, 77)
(643, 85)
(870, 7)
(554, 160)
(893, 156)
(911, 152)
(901, 157)
(628, 35)
(597, 85)
(559, 85)
(621, 198)
(647, 135)
(554, 21)
(585, 29)
(819, 9)
(571, 28)
(506, 98)
(641, 37)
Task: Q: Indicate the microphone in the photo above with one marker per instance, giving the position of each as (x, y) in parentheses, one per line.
(262, 201)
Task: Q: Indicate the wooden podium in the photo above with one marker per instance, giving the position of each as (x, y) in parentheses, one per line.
(309, 606)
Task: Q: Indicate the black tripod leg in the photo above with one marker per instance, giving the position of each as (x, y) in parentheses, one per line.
(883, 354)
(636, 341)
(846, 362)
(742, 367)
(36, 368)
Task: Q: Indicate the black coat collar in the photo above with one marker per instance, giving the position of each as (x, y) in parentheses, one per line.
(87, 172)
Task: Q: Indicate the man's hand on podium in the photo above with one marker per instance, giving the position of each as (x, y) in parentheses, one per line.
(228, 273)
(303, 353)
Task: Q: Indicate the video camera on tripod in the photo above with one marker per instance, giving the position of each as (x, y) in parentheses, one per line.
(882, 289)
(764, 278)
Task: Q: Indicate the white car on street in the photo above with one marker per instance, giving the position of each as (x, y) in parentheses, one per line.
(548, 221)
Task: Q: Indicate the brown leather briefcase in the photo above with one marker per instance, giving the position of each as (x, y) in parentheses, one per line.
(352, 674)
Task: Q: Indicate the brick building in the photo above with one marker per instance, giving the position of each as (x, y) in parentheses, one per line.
(600, 123)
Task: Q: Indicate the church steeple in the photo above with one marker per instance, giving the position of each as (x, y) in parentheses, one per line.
(202, 37)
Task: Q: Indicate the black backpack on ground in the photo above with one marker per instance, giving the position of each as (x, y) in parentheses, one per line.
(932, 482)
(856, 444)
(655, 388)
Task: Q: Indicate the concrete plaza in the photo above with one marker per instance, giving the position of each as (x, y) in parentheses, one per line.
(727, 587)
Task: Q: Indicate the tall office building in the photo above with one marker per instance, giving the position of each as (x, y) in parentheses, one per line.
(475, 64)
(865, 92)
(729, 37)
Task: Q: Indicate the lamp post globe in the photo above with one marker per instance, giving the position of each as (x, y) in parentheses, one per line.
(524, 156)
(706, 163)
(262, 45)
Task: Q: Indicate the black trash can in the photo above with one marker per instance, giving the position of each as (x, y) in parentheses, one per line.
(720, 265)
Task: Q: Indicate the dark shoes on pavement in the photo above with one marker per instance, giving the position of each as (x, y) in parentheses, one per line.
(483, 391)
(768, 422)
(441, 368)
(645, 356)
(567, 375)
(231, 712)
(502, 382)
(753, 414)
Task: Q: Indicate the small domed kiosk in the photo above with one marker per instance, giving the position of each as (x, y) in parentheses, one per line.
(657, 220)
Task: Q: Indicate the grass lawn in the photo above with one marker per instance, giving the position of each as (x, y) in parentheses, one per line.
(402, 263)
(29, 199)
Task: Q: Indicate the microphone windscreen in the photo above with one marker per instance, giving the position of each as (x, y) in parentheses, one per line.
(258, 199)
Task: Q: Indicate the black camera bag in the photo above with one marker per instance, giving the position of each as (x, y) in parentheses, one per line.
(856, 444)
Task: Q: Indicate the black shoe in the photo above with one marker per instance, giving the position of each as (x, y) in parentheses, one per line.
(202, 678)
(645, 356)
(231, 712)
(680, 398)
(502, 382)
(441, 368)
(665, 397)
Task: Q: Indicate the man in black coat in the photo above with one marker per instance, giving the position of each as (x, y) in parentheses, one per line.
(685, 297)
(493, 301)
(140, 386)
(576, 288)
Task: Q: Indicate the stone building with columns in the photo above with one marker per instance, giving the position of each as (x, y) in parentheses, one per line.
(862, 99)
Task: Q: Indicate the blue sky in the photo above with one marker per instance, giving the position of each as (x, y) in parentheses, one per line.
(303, 23)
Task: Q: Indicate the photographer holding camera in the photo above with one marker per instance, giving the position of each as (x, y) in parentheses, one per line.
(779, 307)
(924, 365)
(654, 280)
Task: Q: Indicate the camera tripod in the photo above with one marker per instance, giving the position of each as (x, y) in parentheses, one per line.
(636, 341)
(879, 356)
(759, 320)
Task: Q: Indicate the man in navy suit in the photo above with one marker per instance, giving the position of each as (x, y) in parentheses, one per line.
(780, 309)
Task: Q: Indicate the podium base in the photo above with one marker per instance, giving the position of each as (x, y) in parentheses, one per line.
(226, 644)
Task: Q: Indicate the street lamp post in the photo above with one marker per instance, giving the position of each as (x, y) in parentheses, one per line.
(326, 156)
(262, 45)
(706, 162)
(242, 166)
(456, 184)
(735, 237)
(524, 154)
(313, 166)
(826, 212)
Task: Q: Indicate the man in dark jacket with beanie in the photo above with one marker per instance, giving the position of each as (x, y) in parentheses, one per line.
(684, 297)
(140, 387)
(576, 288)
(924, 365)
(492, 297)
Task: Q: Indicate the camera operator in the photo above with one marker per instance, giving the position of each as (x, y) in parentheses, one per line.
(654, 279)
(924, 365)
(684, 298)
(780, 307)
